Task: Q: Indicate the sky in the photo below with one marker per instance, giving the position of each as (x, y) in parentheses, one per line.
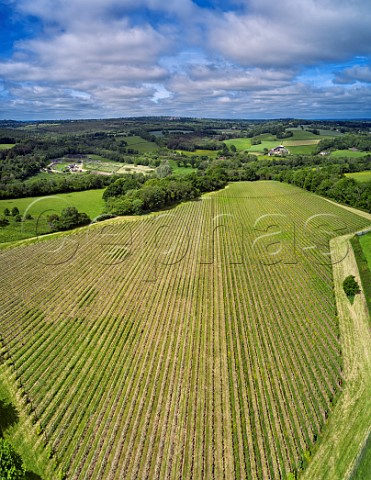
(252, 59)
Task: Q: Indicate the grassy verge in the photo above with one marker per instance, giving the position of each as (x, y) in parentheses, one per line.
(362, 468)
(363, 267)
(17, 427)
(349, 424)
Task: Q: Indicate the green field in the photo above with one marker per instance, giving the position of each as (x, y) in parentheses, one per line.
(301, 149)
(187, 344)
(90, 202)
(138, 143)
(241, 144)
(302, 142)
(181, 170)
(365, 241)
(244, 144)
(300, 134)
(6, 146)
(348, 154)
(265, 144)
(299, 143)
(199, 152)
(360, 176)
(330, 133)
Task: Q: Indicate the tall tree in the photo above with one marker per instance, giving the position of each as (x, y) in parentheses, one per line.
(11, 465)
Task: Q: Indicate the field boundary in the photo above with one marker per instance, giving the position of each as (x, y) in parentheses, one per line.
(349, 424)
(24, 433)
(361, 213)
(363, 268)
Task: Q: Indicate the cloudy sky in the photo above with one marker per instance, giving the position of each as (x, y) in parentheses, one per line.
(63, 59)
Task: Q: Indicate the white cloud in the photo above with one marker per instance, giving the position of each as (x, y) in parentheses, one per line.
(73, 14)
(109, 57)
(357, 73)
(288, 33)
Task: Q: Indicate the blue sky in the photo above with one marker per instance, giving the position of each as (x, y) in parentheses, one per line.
(62, 59)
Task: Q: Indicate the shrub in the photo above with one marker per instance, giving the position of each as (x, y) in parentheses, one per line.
(11, 465)
(350, 286)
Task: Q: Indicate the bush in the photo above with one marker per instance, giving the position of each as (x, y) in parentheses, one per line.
(11, 465)
(103, 216)
(350, 286)
(69, 218)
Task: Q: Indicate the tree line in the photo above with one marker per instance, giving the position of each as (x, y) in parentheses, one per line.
(345, 142)
(136, 195)
(55, 184)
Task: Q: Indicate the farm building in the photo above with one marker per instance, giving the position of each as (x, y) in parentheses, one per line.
(280, 150)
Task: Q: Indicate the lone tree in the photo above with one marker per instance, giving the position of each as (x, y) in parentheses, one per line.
(11, 466)
(351, 287)
(15, 211)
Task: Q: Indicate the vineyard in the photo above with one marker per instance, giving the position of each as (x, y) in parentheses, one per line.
(202, 342)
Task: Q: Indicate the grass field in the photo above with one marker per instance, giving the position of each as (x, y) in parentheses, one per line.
(181, 170)
(365, 241)
(185, 344)
(299, 143)
(299, 134)
(199, 152)
(241, 144)
(360, 176)
(330, 133)
(90, 202)
(138, 143)
(6, 146)
(265, 144)
(302, 142)
(348, 154)
(302, 149)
